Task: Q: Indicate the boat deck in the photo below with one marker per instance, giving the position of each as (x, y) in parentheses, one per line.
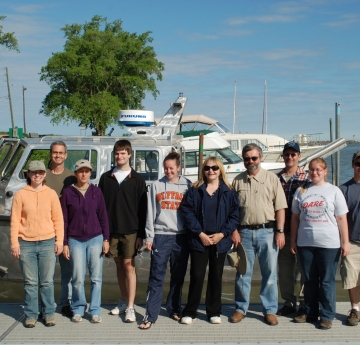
(113, 330)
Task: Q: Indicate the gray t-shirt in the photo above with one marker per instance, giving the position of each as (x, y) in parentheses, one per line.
(351, 191)
(318, 207)
(60, 181)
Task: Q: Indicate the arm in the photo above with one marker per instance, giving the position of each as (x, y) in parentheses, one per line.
(58, 221)
(294, 226)
(150, 217)
(280, 222)
(344, 234)
(15, 225)
(103, 220)
(142, 209)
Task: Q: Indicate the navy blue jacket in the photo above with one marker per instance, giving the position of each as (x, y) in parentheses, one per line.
(227, 216)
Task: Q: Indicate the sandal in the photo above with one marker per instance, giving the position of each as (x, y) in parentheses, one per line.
(176, 317)
(146, 324)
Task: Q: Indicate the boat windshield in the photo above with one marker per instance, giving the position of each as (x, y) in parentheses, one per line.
(223, 128)
(225, 155)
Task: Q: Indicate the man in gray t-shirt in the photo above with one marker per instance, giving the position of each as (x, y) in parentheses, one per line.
(350, 264)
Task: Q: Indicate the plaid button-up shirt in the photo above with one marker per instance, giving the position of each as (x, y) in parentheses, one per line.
(297, 180)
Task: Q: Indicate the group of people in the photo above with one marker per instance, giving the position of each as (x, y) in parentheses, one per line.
(294, 221)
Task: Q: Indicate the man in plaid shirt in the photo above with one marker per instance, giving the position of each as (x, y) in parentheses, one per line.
(291, 177)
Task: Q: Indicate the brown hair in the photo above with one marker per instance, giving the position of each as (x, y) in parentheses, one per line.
(222, 176)
(173, 156)
(123, 144)
(323, 164)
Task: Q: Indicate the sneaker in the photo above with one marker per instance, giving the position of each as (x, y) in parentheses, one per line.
(302, 318)
(215, 320)
(30, 323)
(285, 310)
(76, 318)
(130, 315)
(119, 309)
(66, 310)
(50, 321)
(325, 324)
(353, 318)
(186, 320)
(96, 319)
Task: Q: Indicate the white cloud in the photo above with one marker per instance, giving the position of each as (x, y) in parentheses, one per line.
(271, 18)
(345, 20)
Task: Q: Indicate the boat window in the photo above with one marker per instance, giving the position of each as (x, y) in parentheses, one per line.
(223, 128)
(13, 162)
(234, 144)
(5, 154)
(147, 164)
(253, 141)
(225, 155)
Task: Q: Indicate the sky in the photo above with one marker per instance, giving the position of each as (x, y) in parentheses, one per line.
(308, 51)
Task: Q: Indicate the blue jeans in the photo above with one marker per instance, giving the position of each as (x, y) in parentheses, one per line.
(319, 266)
(82, 253)
(258, 242)
(37, 262)
(66, 273)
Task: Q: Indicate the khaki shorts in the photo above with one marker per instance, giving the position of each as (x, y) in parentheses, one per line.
(350, 267)
(122, 245)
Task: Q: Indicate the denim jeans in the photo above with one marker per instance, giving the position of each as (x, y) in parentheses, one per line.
(37, 262)
(66, 274)
(82, 253)
(258, 242)
(319, 266)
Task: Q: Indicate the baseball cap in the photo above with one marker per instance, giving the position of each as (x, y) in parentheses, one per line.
(36, 165)
(292, 145)
(356, 155)
(82, 163)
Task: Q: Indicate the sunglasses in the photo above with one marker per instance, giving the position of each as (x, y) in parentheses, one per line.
(213, 168)
(254, 159)
(287, 154)
(357, 164)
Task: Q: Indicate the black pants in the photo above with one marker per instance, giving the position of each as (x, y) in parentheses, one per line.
(199, 261)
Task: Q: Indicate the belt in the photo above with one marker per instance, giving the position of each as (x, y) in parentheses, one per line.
(259, 226)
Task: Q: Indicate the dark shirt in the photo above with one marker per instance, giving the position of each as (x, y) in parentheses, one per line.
(210, 209)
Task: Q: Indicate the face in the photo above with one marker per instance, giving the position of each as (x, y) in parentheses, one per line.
(37, 177)
(291, 158)
(252, 160)
(83, 175)
(58, 154)
(317, 172)
(171, 170)
(356, 168)
(122, 157)
(211, 175)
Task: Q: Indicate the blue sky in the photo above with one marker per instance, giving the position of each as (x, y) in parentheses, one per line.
(308, 51)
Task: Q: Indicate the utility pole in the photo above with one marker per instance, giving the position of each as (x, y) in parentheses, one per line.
(23, 90)
(11, 109)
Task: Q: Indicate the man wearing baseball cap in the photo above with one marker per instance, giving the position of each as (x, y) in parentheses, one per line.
(291, 177)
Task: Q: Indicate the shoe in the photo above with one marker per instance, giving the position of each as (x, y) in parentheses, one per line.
(186, 320)
(353, 318)
(66, 310)
(286, 310)
(271, 319)
(119, 309)
(96, 319)
(50, 321)
(76, 318)
(30, 323)
(325, 324)
(237, 317)
(146, 325)
(301, 311)
(302, 318)
(130, 315)
(215, 320)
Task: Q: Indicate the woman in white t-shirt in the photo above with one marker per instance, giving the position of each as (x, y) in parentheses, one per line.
(319, 234)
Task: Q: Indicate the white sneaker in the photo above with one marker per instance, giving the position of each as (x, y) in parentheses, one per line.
(76, 318)
(186, 320)
(96, 319)
(215, 320)
(130, 315)
(119, 309)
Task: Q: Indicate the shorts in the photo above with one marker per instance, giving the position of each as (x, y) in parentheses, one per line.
(122, 245)
(350, 267)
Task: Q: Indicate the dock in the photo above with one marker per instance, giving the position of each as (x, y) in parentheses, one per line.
(113, 329)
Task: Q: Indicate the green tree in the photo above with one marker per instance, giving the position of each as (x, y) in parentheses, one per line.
(102, 69)
(8, 39)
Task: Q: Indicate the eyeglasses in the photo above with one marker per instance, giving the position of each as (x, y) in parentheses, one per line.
(254, 159)
(357, 164)
(287, 154)
(318, 171)
(213, 168)
(58, 153)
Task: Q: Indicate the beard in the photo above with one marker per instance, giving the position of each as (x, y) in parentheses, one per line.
(253, 167)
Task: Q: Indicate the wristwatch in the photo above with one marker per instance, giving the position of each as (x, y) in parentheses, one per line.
(280, 230)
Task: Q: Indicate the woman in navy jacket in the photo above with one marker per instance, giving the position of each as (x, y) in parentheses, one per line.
(86, 239)
(211, 211)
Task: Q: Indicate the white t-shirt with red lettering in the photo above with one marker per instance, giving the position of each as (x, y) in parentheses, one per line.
(318, 207)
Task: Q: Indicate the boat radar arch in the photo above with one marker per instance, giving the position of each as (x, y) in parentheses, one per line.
(136, 118)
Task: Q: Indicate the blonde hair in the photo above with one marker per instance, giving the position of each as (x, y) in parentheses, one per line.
(322, 163)
(222, 175)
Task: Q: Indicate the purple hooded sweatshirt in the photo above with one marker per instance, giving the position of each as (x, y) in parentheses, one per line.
(85, 217)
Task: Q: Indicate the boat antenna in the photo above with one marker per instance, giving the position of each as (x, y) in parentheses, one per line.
(235, 121)
(265, 119)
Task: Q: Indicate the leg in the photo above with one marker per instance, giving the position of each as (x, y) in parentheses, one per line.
(29, 267)
(199, 262)
(354, 296)
(121, 278)
(66, 286)
(78, 263)
(95, 264)
(178, 266)
(302, 281)
(243, 282)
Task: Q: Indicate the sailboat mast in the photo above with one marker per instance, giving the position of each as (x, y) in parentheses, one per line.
(235, 116)
(265, 119)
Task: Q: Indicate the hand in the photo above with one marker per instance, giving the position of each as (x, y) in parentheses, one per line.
(293, 248)
(58, 249)
(205, 239)
(235, 238)
(216, 238)
(280, 240)
(66, 252)
(345, 249)
(139, 243)
(105, 247)
(148, 245)
(15, 252)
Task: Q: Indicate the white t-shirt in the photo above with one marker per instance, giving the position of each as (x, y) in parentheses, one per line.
(121, 174)
(318, 207)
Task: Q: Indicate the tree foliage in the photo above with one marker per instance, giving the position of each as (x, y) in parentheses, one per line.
(101, 70)
(8, 39)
